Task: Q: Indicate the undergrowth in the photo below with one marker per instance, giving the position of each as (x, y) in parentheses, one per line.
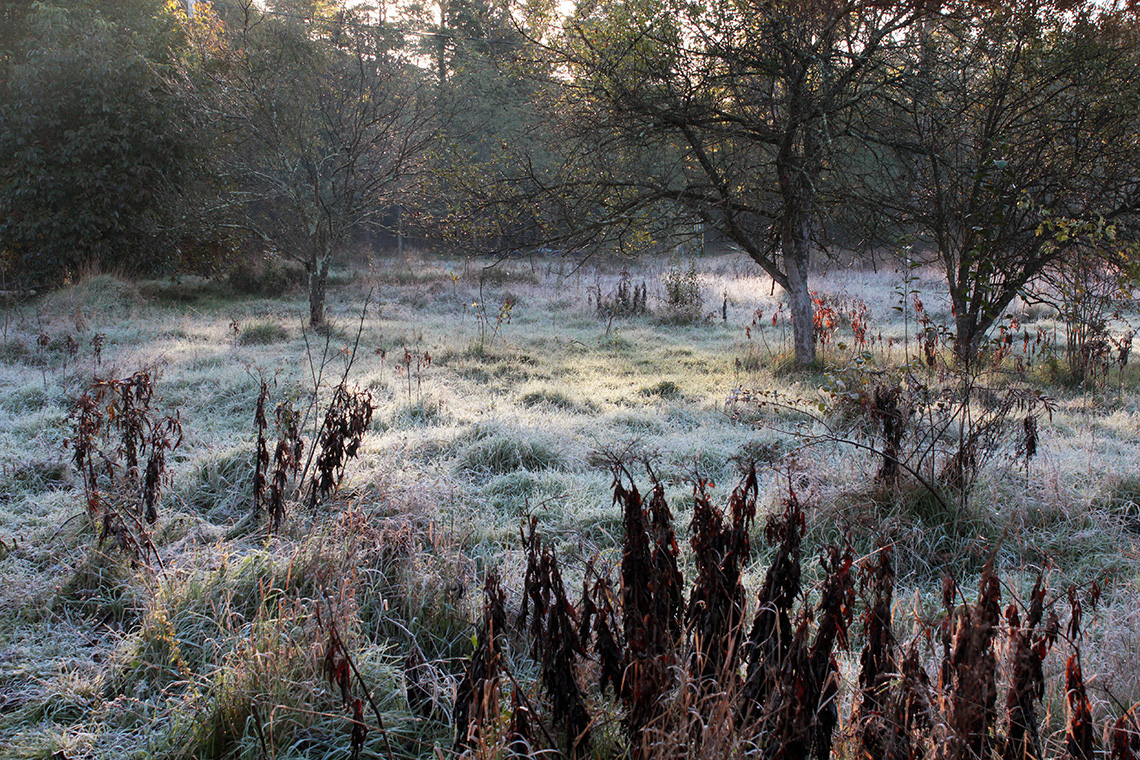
(336, 568)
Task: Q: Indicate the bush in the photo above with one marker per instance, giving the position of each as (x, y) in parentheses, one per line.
(98, 151)
(683, 289)
(269, 277)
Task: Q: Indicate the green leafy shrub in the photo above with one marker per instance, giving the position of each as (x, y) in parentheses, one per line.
(97, 148)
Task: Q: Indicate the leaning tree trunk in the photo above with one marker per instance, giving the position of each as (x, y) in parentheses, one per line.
(972, 323)
(798, 171)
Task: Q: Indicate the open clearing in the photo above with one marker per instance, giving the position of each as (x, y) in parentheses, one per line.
(498, 393)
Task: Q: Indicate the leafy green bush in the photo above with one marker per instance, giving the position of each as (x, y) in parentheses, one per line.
(98, 150)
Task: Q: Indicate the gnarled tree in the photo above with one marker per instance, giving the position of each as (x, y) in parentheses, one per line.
(1015, 130)
(734, 115)
(327, 119)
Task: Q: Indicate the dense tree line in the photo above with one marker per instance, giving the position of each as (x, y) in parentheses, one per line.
(997, 139)
(100, 159)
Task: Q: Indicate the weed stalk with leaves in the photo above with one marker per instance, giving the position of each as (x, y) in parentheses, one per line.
(478, 694)
(113, 427)
(555, 643)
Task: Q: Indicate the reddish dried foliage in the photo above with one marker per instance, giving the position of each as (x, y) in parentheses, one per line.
(788, 697)
(554, 640)
(113, 427)
(715, 611)
(771, 637)
(890, 419)
(346, 421)
(287, 457)
(1027, 647)
(261, 463)
(341, 671)
(477, 696)
(651, 604)
(969, 670)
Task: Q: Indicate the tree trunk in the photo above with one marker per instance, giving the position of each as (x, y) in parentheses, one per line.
(967, 338)
(318, 283)
(795, 243)
(399, 231)
(972, 325)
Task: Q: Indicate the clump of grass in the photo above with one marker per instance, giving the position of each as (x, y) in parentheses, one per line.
(506, 451)
(220, 485)
(101, 588)
(928, 536)
(665, 389)
(505, 274)
(510, 491)
(1124, 500)
(784, 367)
(423, 412)
(262, 334)
(762, 452)
(266, 653)
(614, 342)
(547, 397)
(34, 477)
(100, 295)
(270, 692)
(14, 350)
